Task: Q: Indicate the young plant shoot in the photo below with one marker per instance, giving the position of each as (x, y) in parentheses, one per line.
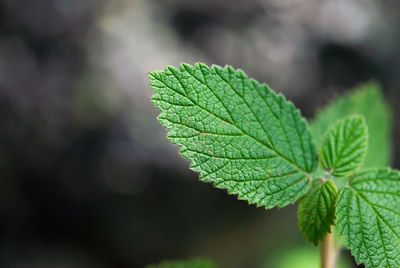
(243, 137)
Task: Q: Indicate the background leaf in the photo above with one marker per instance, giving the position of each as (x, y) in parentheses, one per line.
(368, 216)
(197, 263)
(344, 146)
(239, 134)
(316, 212)
(302, 257)
(366, 100)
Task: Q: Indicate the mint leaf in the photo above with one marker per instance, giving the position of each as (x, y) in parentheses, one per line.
(316, 212)
(344, 146)
(238, 133)
(196, 263)
(366, 100)
(368, 216)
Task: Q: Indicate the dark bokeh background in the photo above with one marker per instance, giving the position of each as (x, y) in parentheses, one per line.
(86, 176)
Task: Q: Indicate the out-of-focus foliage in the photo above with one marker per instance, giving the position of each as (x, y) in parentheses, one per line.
(302, 258)
(197, 263)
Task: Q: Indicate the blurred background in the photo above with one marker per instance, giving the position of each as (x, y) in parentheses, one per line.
(87, 178)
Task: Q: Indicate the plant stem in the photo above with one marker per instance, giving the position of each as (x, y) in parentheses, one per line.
(329, 251)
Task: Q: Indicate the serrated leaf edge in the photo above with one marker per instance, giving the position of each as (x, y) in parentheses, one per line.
(332, 127)
(307, 175)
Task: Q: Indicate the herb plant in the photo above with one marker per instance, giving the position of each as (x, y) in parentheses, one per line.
(243, 137)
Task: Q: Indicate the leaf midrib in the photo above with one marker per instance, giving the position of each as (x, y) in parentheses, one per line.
(345, 146)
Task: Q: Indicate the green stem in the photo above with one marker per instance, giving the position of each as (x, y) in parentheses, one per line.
(329, 251)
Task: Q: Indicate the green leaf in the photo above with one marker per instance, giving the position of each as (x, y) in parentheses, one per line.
(238, 133)
(295, 256)
(367, 100)
(316, 211)
(196, 263)
(344, 146)
(368, 216)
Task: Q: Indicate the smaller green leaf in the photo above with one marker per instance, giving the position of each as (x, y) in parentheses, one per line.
(368, 217)
(367, 100)
(316, 211)
(344, 146)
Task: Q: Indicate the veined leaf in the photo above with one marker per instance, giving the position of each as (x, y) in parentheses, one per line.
(238, 133)
(316, 212)
(344, 146)
(366, 100)
(368, 216)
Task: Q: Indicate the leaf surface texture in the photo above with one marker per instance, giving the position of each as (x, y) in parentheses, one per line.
(238, 133)
(316, 212)
(344, 146)
(366, 100)
(368, 216)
